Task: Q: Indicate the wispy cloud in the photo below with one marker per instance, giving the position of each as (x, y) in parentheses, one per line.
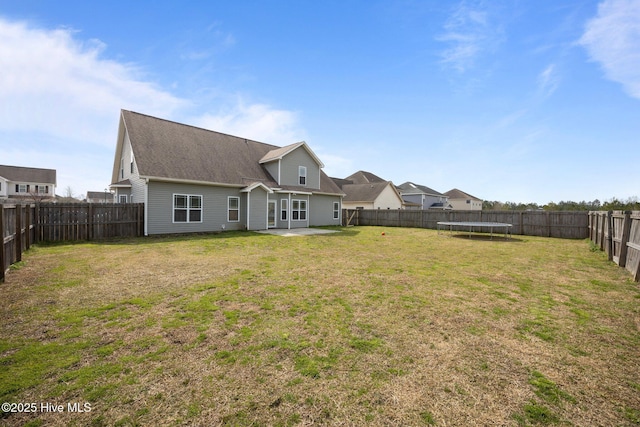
(548, 81)
(469, 33)
(612, 38)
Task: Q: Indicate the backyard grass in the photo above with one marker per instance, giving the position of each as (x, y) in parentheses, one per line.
(352, 328)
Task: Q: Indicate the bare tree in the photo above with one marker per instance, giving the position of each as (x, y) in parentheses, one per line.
(68, 192)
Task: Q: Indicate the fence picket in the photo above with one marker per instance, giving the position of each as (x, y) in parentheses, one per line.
(23, 225)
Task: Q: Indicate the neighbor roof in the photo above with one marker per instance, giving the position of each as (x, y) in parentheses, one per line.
(175, 151)
(363, 192)
(410, 187)
(459, 194)
(364, 177)
(24, 174)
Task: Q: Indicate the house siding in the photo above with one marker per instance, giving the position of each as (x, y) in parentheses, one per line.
(272, 168)
(214, 208)
(321, 210)
(388, 199)
(289, 168)
(257, 202)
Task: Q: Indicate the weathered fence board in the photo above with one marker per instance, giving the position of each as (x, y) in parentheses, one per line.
(17, 231)
(568, 225)
(23, 225)
(618, 234)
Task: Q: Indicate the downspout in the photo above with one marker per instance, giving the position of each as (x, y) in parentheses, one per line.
(146, 207)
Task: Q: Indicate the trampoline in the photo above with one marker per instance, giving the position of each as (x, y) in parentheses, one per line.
(471, 225)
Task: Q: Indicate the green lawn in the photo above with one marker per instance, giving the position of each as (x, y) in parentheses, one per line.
(352, 328)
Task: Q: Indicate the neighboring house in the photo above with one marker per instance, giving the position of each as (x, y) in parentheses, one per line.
(423, 197)
(18, 182)
(99, 197)
(364, 190)
(460, 200)
(196, 180)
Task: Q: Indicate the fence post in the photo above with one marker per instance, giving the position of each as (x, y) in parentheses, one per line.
(18, 236)
(27, 227)
(608, 233)
(520, 215)
(90, 222)
(626, 231)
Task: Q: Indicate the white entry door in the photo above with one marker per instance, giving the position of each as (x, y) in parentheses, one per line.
(271, 214)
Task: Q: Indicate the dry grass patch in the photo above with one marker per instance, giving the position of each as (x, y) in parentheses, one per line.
(354, 328)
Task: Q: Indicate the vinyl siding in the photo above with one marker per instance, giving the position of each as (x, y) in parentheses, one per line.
(289, 168)
(388, 199)
(258, 205)
(136, 193)
(272, 168)
(321, 210)
(214, 208)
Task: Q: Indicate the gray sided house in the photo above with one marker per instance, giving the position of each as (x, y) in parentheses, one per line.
(423, 197)
(196, 180)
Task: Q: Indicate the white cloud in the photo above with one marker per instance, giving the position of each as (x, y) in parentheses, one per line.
(612, 39)
(54, 84)
(469, 33)
(259, 122)
(61, 98)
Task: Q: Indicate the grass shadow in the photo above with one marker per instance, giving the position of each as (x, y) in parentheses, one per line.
(487, 238)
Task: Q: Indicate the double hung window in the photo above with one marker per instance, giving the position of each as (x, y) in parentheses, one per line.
(187, 208)
(299, 210)
(302, 175)
(233, 209)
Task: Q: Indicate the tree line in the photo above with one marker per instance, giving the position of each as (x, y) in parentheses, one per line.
(614, 204)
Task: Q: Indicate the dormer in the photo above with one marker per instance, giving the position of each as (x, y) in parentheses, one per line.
(295, 165)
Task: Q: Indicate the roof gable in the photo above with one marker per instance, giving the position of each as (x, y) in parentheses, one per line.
(279, 153)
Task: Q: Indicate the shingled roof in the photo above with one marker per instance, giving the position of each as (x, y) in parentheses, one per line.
(169, 150)
(364, 177)
(459, 194)
(24, 174)
(363, 192)
(411, 188)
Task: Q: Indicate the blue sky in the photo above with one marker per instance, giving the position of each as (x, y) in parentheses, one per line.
(514, 101)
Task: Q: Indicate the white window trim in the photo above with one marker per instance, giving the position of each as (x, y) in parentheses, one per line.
(299, 210)
(229, 208)
(188, 209)
(336, 210)
(302, 173)
(124, 196)
(284, 209)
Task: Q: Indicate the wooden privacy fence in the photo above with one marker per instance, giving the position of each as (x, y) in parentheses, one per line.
(23, 225)
(562, 224)
(18, 233)
(618, 234)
